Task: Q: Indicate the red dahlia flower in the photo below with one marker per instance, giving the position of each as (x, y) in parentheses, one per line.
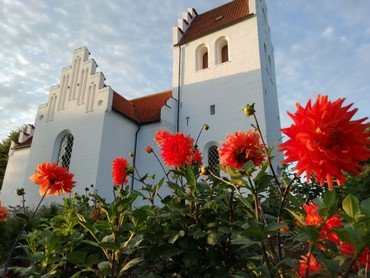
(363, 258)
(178, 150)
(3, 212)
(161, 136)
(346, 248)
(324, 141)
(241, 147)
(313, 265)
(52, 179)
(119, 171)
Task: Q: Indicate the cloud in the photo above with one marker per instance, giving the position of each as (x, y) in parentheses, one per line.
(318, 47)
(328, 32)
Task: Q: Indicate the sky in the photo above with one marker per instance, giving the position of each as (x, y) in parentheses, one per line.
(321, 46)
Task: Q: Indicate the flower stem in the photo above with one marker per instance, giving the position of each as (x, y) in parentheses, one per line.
(258, 212)
(267, 153)
(278, 220)
(160, 163)
(307, 273)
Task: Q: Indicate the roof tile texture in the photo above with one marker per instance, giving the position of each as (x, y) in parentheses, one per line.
(143, 110)
(215, 20)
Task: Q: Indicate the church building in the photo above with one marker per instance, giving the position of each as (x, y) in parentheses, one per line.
(222, 60)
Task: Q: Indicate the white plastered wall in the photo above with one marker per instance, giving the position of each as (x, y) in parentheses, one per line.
(15, 171)
(147, 163)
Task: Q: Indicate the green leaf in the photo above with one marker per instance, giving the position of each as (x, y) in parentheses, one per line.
(102, 225)
(171, 252)
(107, 238)
(24, 217)
(274, 227)
(213, 238)
(297, 215)
(130, 264)
(92, 259)
(90, 242)
(365, 206)
(238, 239)
(103, 265)
(76, 257)
(190, 177)
(329, 198)
(350, 205)
(109, 245)
(173, 239)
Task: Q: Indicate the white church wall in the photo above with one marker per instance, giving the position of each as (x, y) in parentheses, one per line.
(15, 171)
(146, 163)
(118, 139)
(87, 133)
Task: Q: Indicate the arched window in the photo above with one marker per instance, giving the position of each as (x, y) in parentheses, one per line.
(202, 57)
(213, 160)
(205, 61)
(225, 54)
(65, 151)
(222, 50)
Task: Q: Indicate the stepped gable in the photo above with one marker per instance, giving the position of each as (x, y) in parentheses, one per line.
(144, 110)
(216, 19)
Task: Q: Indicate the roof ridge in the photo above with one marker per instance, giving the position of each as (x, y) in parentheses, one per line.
(150, 95)
(229, 2)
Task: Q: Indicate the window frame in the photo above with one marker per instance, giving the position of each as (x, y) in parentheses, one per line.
(65, 149)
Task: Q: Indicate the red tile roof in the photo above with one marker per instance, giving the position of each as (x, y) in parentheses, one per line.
(144, 110)
(24, 144)
(216, 19)
(124, 107)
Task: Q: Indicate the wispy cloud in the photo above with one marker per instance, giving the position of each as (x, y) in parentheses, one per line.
(319, 47)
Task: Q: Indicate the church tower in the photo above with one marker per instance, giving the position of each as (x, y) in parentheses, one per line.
(222, 60)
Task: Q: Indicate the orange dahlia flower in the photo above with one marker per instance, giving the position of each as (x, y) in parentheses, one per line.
(119, 171)
(312, 217)
(52, 179)
(312, 267)
(241, 147)
(324, 141)
(178, 150)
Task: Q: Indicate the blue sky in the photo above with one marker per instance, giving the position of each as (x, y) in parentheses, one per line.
(321, 46)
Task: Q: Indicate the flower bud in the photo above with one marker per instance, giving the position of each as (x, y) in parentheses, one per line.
(131, 154)
(148, 149)
(130, 169)
(20, 191)
(205, 127)
(204, 170)
(249, 110)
